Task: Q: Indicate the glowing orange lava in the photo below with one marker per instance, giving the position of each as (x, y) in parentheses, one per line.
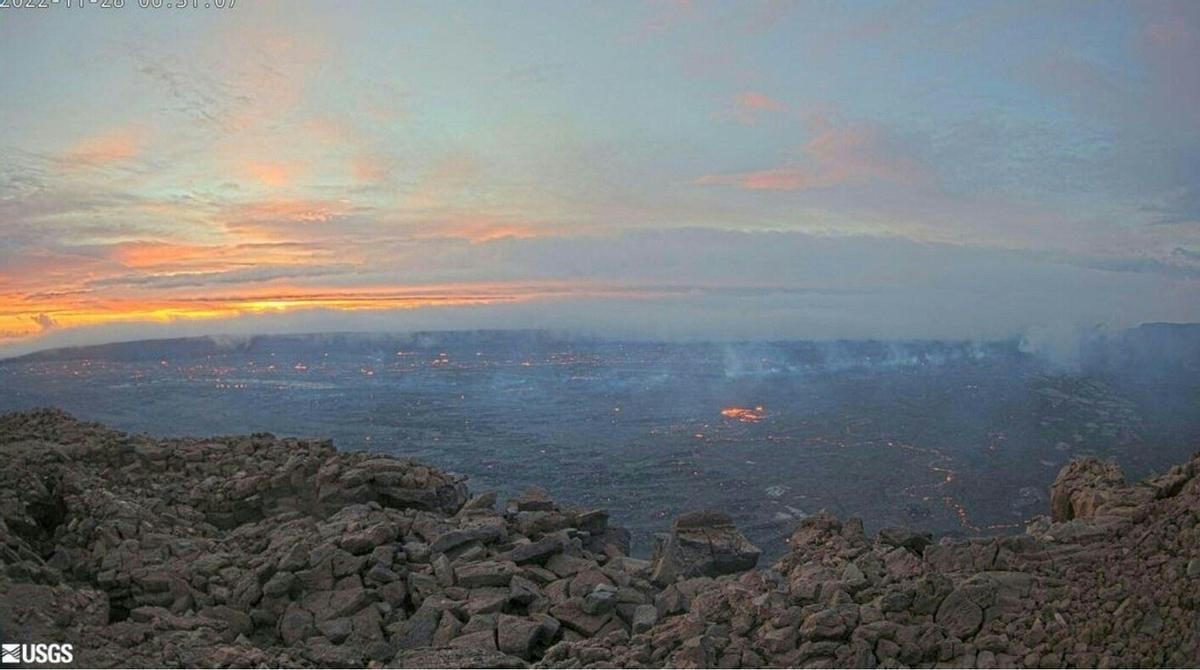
(744, 414)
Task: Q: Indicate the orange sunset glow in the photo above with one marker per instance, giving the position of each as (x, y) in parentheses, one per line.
(666, 172)
(64, 313)
(69, 311)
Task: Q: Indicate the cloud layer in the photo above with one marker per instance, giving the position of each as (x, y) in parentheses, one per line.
(654, 170)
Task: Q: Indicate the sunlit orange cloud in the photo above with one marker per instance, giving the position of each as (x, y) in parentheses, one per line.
(273, 173)
(367, 168)
(50, 272)
(282, 220)
(748, 105)
(103, 150)
(835, 156)
(167, 256)
(480, 230)
(24, 323)
(28, 317)
(48, 281)
(141, 255)
(756, 100)
(293, 210)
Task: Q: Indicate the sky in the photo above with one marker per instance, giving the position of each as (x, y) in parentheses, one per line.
(696, 170)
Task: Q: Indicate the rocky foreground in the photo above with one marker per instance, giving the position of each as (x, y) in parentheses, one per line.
(261, 551)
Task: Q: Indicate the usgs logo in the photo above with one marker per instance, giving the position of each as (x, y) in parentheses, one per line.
(36, 653)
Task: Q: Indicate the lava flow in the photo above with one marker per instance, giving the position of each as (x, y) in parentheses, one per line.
(744, 414)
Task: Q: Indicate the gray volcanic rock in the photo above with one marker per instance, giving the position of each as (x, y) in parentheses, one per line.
(455, 658)
(904, 537)
(1082, 487)
(259, 551)
(702, 544)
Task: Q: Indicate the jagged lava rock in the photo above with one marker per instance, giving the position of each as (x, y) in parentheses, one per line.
(260, 551)
(702, 544)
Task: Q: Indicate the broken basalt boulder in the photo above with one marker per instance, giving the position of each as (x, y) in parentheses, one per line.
(1082, 487)
(702, 544)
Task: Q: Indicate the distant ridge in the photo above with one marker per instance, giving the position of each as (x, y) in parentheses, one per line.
(1145, 344)
(206, 345)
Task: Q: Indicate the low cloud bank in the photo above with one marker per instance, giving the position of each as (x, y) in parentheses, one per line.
(714, 285)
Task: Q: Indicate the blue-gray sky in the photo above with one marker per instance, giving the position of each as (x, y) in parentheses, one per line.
(660, 169)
